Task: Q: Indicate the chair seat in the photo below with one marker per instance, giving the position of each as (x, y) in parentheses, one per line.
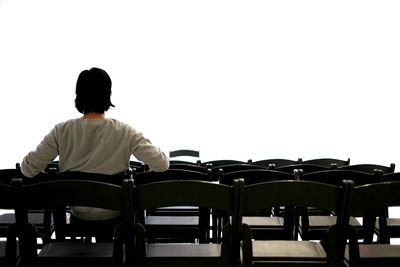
(283, 250)
(178, 221)
(175, 250)
(77, 249)
(378, 255)
(326, 221)
(256, 221)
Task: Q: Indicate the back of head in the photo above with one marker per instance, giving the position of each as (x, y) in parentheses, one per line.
(93, 91)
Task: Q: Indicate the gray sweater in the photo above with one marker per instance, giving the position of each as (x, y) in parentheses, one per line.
(97, 146)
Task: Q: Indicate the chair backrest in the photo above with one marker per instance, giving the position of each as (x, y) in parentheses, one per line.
(253, 176)
(328, 162)
(217, 172)
(49, 194)
(222, 162)
(6, 175)
(306, 168)
(370, 168)
(275, 162)
(188, 167)
(336, 176)
(184, 152)
(171, 174)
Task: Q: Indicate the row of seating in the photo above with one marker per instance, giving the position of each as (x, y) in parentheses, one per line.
(238, 245)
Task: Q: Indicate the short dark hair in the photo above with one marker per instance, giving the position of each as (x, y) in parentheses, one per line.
(93, 91)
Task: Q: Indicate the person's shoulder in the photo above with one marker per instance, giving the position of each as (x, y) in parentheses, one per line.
(122, 125)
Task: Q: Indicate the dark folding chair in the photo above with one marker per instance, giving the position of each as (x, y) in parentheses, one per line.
(175, 223)
(193, 193)
(66, 252)
(373, 197)
(314, 223)
(9, 247)
(264, 224)
(295, 252)
(392, 225)
(41, 218)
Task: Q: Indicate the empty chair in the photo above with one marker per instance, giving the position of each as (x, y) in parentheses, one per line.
(275, 162)
(392, 224)
(65, 252)
(175, 223)
(191, 193)
(295, 252)
(328, 162)
(373, 197)
(264, 224)
(313, 225)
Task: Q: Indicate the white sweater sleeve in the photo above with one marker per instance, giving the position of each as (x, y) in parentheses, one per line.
(37, 160)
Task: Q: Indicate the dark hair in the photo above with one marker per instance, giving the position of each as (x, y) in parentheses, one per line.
(93, 91)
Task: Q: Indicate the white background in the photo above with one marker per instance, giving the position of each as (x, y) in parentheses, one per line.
(233, 79)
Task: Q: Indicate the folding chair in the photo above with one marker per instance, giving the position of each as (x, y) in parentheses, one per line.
(264, 223)
(193, 193)
(175, 223)
(41, 218)
(373, 197)
(294, 252)
(9, 248)
(66, 252)
(314, 223)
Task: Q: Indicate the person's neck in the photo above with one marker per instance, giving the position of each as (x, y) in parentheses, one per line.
(94, 115)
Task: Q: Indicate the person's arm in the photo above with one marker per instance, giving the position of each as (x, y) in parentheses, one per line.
(37, 160)
(149, 154)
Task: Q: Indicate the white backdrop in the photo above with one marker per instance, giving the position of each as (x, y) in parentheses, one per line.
(233, 79)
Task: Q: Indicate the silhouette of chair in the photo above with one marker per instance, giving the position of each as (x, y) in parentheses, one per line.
(392, 224)
(191, 193)
(42, 219)
(9, 248)
(367, 198)
(295, 252)
(175, 223)
(262, 222)
(66, 252)
(313, 225)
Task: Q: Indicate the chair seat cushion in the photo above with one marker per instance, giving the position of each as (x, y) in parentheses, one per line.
(288, 250)
(172, 250)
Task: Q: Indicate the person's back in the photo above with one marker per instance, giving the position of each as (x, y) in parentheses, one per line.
(93, 143)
